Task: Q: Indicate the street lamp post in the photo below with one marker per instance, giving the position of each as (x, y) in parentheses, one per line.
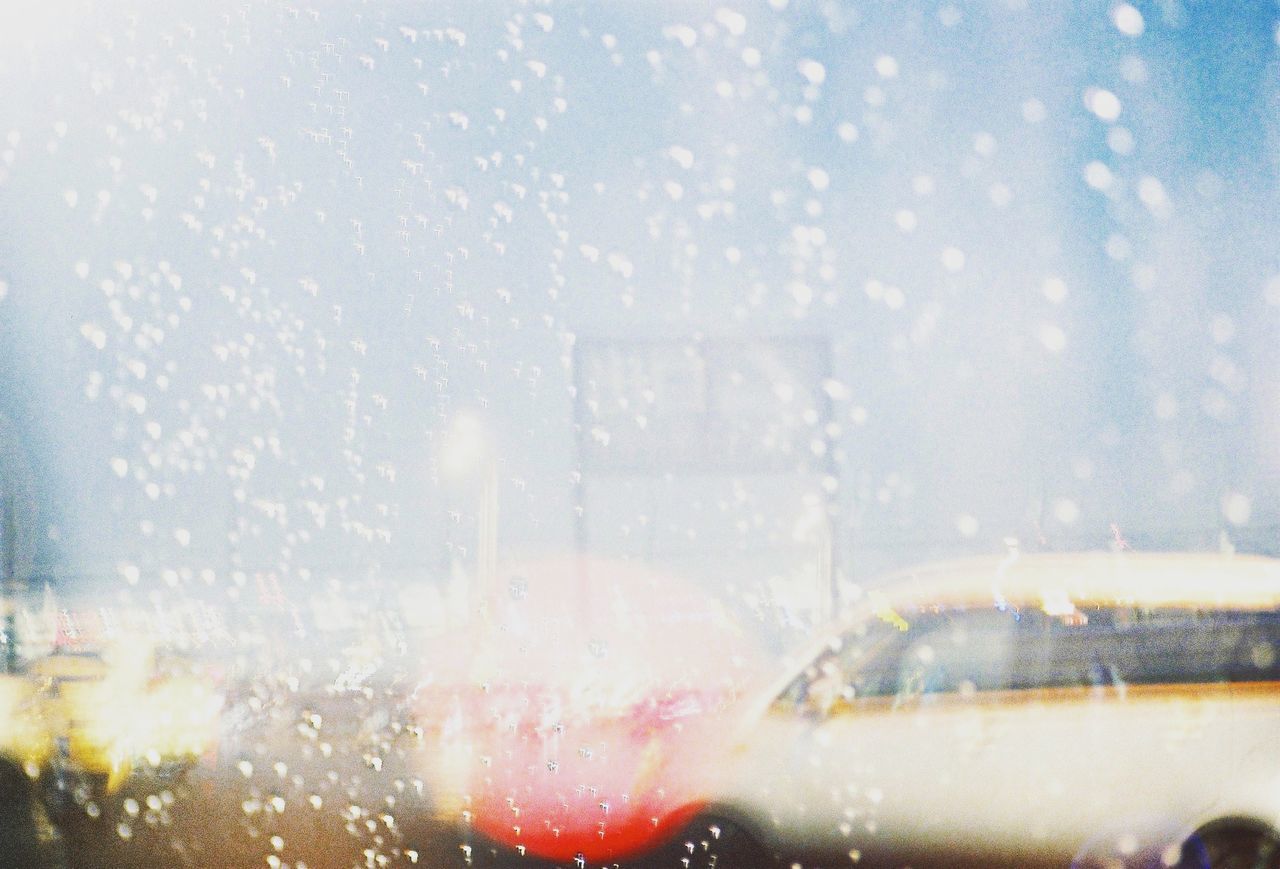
(467, 453)
(17, 510)
(9, 578)
(487, 542)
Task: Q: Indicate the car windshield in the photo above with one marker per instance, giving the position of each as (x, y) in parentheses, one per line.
(453, 414)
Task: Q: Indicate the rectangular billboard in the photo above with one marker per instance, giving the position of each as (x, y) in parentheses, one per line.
(747, 405)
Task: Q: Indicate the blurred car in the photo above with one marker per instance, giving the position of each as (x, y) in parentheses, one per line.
(62, 742)
(130, 710)
(562, 737)
(24, 739)
(26, 746)
(1108, 709)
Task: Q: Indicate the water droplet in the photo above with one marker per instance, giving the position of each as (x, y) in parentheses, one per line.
(953, 259)
(812, 70)
(1128, 20)
(1237, 508)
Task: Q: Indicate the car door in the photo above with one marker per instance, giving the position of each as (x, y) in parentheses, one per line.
(1254, 669)
(1115, 733)
(890, 764)
(780, 774)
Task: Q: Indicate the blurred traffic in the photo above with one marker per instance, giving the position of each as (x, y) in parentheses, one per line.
(1099, 709)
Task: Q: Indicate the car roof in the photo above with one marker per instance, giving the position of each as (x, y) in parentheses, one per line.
(1063, 580)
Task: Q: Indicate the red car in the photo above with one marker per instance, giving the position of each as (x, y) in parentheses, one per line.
(557, 741)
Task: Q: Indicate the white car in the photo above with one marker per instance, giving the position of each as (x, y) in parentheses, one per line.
(1106, 709)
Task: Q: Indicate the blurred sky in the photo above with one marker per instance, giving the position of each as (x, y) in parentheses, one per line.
(257, 259)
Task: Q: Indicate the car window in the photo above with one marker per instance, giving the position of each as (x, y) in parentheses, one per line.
(1163, 646)
(861, 662)
(938, 652)
(963, 652)
(990, 649)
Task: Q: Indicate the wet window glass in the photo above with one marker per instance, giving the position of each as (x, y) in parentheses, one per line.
(427, 426)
